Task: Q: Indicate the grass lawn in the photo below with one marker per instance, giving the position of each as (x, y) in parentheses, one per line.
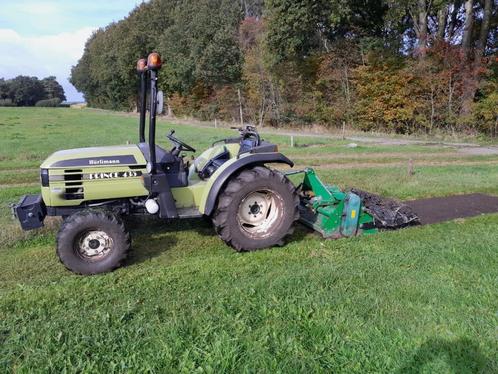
(423, 299)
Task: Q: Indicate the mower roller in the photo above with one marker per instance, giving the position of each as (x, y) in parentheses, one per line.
(251, 205)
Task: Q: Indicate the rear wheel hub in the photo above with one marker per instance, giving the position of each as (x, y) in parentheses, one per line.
(258, 212)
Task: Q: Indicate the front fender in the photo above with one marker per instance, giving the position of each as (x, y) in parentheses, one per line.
(221, 177)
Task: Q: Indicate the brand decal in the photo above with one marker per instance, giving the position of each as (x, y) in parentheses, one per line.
(97, 161)
(103, 162)
(114, 174)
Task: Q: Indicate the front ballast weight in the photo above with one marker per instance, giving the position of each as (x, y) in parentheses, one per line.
(336, 214)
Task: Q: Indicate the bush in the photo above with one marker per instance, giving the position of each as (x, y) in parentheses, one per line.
(6, 102)
(48, 102)
(385, 98)
(485, 114)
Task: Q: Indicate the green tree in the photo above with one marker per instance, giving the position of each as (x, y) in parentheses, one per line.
(296, 29)
(4, 89)
(80, 73)
(26, 91)
(201, 46)
(53, 89)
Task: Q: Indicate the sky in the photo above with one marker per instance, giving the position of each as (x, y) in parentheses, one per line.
(47, 37)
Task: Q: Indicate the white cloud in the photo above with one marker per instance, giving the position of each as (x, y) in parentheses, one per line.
(47, 37)
(42, 55)
(35, 17)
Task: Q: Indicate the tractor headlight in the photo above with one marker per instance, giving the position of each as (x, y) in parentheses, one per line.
(44, 177)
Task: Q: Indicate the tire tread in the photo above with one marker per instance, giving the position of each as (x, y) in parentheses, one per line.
(221, 216)
(76, 219)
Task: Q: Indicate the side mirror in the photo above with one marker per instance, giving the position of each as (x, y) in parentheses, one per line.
(160, 102)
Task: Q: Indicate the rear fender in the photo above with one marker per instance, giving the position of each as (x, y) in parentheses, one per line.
(219, 179)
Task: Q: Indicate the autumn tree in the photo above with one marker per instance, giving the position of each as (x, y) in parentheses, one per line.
(395, 65)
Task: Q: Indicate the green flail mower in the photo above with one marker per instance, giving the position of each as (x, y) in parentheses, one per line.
(250, 205)
(336, 214)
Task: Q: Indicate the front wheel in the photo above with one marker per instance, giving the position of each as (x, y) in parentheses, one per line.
(257, 209)
(92, 242)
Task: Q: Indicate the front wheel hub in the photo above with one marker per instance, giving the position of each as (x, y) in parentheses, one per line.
(94, 245)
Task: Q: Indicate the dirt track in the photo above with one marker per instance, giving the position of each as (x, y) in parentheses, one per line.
(373, 165)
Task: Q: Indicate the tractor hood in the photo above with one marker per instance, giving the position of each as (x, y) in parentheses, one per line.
(95, 157)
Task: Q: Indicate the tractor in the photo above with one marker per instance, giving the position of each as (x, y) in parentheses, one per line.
(251, 205)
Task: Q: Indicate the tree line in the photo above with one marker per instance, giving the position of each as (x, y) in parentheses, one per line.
(392, 65)
(30, 91)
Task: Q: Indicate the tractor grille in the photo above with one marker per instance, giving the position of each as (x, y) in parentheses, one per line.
(73, 184)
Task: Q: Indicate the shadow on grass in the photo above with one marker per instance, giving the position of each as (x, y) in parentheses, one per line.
(147, 241)
(301, 233)
(461, 355)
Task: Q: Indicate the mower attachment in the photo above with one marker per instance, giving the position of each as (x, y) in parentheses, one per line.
(330, 211)
(335, 214)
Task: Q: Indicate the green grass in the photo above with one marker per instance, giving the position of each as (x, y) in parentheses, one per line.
(422, 299)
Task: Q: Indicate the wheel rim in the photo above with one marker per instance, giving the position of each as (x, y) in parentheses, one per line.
(94, 245)
(258, 213)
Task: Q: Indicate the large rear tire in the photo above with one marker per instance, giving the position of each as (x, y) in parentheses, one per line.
(92, 242)
(257, 209)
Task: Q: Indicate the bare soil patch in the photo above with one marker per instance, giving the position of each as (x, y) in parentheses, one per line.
(440, 209)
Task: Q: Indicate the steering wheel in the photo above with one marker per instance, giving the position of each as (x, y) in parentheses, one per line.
(178, 142)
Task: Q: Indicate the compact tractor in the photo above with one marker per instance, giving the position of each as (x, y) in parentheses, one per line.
(250, 205)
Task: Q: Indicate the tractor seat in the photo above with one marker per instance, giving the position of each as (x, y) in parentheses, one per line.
(201, 160)
(210, 160)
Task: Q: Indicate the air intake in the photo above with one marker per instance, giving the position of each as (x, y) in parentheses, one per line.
(73, 184)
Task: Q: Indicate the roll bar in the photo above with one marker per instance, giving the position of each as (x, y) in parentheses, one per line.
(142, 106)
(152, 120)
(147, 71)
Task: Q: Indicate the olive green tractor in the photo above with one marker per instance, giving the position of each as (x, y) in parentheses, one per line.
(251, 205)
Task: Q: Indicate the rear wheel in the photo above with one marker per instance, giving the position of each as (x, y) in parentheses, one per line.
(256, 209)
(92, 242)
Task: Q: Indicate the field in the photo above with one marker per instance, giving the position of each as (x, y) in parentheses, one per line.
(423, 299)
